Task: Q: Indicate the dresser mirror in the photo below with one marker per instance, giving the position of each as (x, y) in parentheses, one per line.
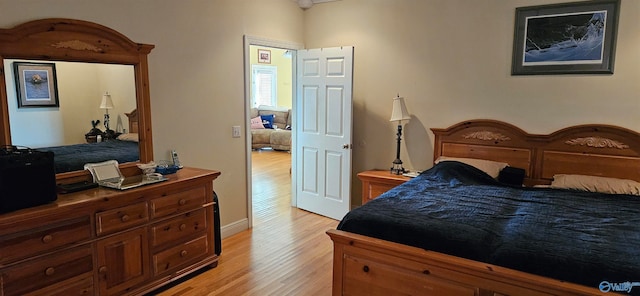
(89, 60)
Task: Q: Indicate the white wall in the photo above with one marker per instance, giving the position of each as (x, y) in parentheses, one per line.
(451, 60)
(118, 80)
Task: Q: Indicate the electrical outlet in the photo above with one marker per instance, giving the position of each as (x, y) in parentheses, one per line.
(235, 131)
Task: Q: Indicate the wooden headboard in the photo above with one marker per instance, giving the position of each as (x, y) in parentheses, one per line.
(592, 149)
(133, 121)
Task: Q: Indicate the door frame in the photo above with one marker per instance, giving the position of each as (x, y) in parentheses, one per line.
(293, 46)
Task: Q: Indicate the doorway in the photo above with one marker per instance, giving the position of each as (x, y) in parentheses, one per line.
(269, 85)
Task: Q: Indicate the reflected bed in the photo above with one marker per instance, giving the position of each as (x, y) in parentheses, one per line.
(74, 157)
(123, 149)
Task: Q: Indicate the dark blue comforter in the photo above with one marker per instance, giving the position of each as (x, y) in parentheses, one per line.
(453, 208)
(74, 157)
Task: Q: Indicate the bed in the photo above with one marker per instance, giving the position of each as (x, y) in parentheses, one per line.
(123, 149)
(455, 230)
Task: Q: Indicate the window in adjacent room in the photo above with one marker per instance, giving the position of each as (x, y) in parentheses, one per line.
(265, 81)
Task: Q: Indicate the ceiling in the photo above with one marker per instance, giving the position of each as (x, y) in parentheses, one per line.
(306, 4)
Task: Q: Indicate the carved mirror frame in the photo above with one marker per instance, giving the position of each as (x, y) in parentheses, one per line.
(78, 41)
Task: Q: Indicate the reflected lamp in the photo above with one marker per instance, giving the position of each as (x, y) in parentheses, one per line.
(106, 104)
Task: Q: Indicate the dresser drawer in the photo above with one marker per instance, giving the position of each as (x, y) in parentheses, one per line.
(178, 202)
(56, 234)
(40, 273)
(75, 287)
(180, 255)
(179, 227)
(121, 218)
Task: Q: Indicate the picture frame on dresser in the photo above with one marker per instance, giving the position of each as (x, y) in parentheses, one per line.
(566, 38)
(36, 84)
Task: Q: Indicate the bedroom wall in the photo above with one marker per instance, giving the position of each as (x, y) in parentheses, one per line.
(451, 60)
(45, 126)
(117, 80)
(196, 73)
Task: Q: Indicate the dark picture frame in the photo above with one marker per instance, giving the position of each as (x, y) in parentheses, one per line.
(36, 84)
(566, 38)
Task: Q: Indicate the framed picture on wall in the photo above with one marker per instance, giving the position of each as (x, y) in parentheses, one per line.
(36, 84)
(264, 56)
(566, 38)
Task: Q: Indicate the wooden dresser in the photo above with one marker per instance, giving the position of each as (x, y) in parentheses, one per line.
(109, 242)
(377, 182)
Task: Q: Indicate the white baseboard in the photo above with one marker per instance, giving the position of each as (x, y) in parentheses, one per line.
(234, 228)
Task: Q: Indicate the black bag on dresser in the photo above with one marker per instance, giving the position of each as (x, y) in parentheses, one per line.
(27, 178)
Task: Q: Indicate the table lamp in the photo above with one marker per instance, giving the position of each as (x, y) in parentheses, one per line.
(399, 114)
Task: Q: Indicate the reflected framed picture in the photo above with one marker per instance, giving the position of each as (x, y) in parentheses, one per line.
(36, 84)
(264, 56)
(566, 38)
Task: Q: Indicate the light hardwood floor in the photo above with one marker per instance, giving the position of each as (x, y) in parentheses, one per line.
(286, 253)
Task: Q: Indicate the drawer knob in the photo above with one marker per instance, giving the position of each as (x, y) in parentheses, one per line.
(183, 253)
(183, 226)
(365, 268)
(182, 202)
(124, 218)
(102, 270)
(50, 271)
(47, 238)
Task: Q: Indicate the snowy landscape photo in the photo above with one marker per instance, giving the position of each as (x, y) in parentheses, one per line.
(565, 38)
(570, 38)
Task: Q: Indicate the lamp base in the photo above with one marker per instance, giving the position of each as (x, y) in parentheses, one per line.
(397, 168)
(106, 120)
(109, 134)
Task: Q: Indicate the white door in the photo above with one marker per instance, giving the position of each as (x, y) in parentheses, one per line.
(323, 130)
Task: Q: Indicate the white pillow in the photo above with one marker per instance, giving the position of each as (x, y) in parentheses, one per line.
(596, 184)
(132, 137)
(492, 168)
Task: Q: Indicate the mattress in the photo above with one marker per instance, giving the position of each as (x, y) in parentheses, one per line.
(456, 209)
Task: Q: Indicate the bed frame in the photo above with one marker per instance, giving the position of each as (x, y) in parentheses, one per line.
(133, 121)
(367, 266)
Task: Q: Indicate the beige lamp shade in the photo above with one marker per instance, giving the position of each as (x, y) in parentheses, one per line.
(399, 112)
(107, 103)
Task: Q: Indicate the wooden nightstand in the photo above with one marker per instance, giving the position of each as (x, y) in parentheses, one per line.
(375, 183)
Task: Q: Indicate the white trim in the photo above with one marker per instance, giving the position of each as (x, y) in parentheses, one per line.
(253, 40)
(234, 228)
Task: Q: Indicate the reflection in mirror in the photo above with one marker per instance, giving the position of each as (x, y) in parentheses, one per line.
(60, 39)
(67, 130)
